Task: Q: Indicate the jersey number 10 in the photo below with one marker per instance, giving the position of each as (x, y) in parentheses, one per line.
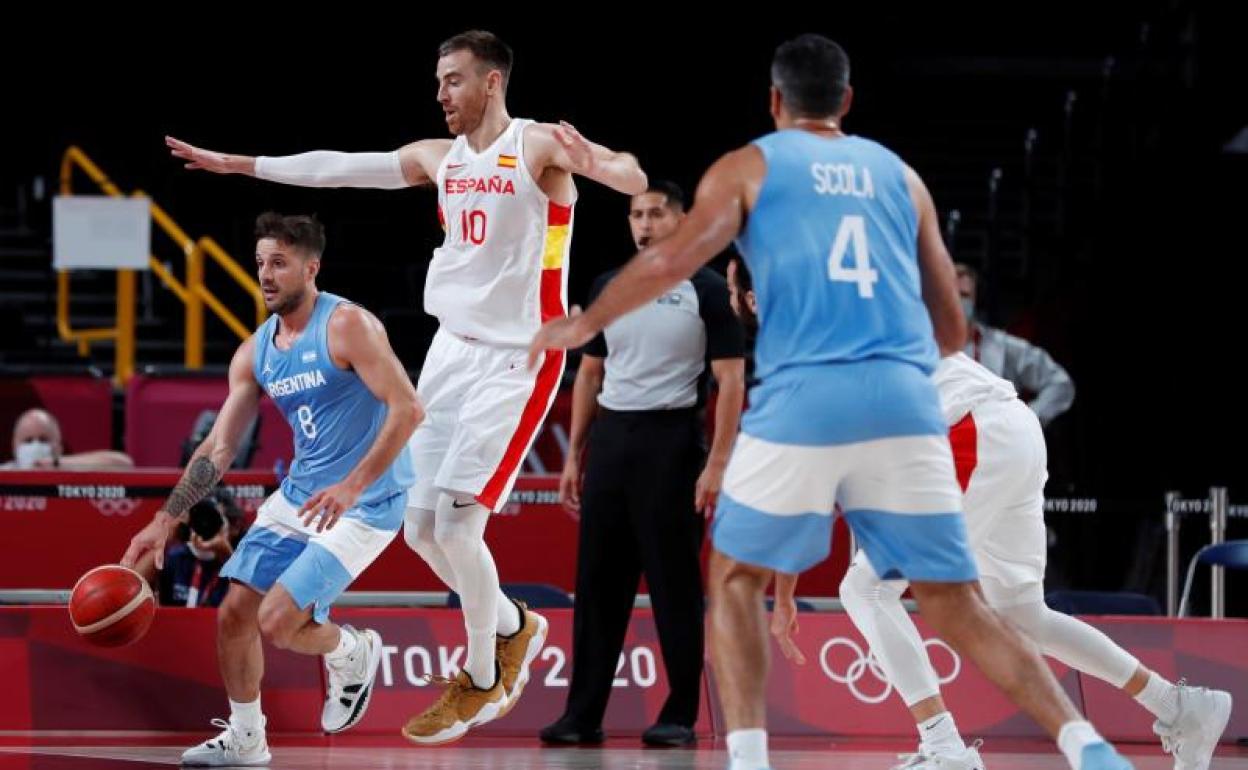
(472, 226)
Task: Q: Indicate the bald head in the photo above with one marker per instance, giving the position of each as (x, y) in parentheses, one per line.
(37, 425)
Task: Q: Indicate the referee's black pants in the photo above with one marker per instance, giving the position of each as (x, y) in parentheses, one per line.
(638, 515)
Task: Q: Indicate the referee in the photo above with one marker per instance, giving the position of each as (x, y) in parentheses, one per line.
(648, 480)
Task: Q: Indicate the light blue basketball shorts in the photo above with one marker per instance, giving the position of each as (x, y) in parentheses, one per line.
(867, 437)
(314, 567)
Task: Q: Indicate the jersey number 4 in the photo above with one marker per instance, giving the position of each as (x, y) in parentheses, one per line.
(852, 234)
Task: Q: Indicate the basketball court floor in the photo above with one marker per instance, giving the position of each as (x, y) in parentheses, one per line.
(129, 751)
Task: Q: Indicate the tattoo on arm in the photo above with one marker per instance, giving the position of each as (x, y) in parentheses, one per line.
(198, 480)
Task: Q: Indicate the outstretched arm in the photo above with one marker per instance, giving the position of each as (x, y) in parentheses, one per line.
(412, 165)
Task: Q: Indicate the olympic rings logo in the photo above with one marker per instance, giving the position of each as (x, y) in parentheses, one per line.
(119, 507)
(863, 663)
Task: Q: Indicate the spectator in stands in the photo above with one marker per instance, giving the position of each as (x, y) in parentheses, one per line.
(1032, 370)
(37, 445)
(191, 576)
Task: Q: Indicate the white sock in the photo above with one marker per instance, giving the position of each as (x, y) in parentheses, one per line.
(509, 621)
(347, 643)
(480, 659)
(1072, 739)
(247, 716)
(1161, 698)
(940, 733)
(747, 749)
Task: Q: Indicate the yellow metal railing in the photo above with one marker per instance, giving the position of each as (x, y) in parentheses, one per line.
(192, 293)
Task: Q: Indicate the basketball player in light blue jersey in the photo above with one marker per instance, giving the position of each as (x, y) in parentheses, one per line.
(328, 366)
(856, 299)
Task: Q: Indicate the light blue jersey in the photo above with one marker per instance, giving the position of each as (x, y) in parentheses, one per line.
(832, 246)
(334, 417)
(846, 414)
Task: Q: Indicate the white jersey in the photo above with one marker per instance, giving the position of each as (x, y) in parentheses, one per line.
(501, 271)
(964, 384)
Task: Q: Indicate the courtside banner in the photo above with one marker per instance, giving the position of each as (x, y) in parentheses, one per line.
(169, 680)
(69, 522)
(841, 690)
(89, 518)
(1207, 652)
(76, 521)
(422, 643)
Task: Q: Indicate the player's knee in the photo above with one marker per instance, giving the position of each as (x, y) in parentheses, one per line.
(455, 541)
(236, 616)
(277, 624)
(952, 608)
(858, 587)
(418, 535)
(862, 589)
(731, 577)
(1030, 618)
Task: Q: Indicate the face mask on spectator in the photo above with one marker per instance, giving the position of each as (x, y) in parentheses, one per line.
(201, 554)
(32, 452)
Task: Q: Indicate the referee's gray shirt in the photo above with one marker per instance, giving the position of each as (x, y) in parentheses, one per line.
(657, 355)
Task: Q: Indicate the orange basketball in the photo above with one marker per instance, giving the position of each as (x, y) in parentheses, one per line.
(112, 606)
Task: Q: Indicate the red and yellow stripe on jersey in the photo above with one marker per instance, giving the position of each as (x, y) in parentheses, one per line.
(554, 253)
(554, 256)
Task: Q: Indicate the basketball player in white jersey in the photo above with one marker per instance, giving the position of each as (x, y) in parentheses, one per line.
(1001, 462)
(505, 198)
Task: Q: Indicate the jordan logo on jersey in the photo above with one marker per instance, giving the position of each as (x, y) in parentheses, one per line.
(295, 383)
